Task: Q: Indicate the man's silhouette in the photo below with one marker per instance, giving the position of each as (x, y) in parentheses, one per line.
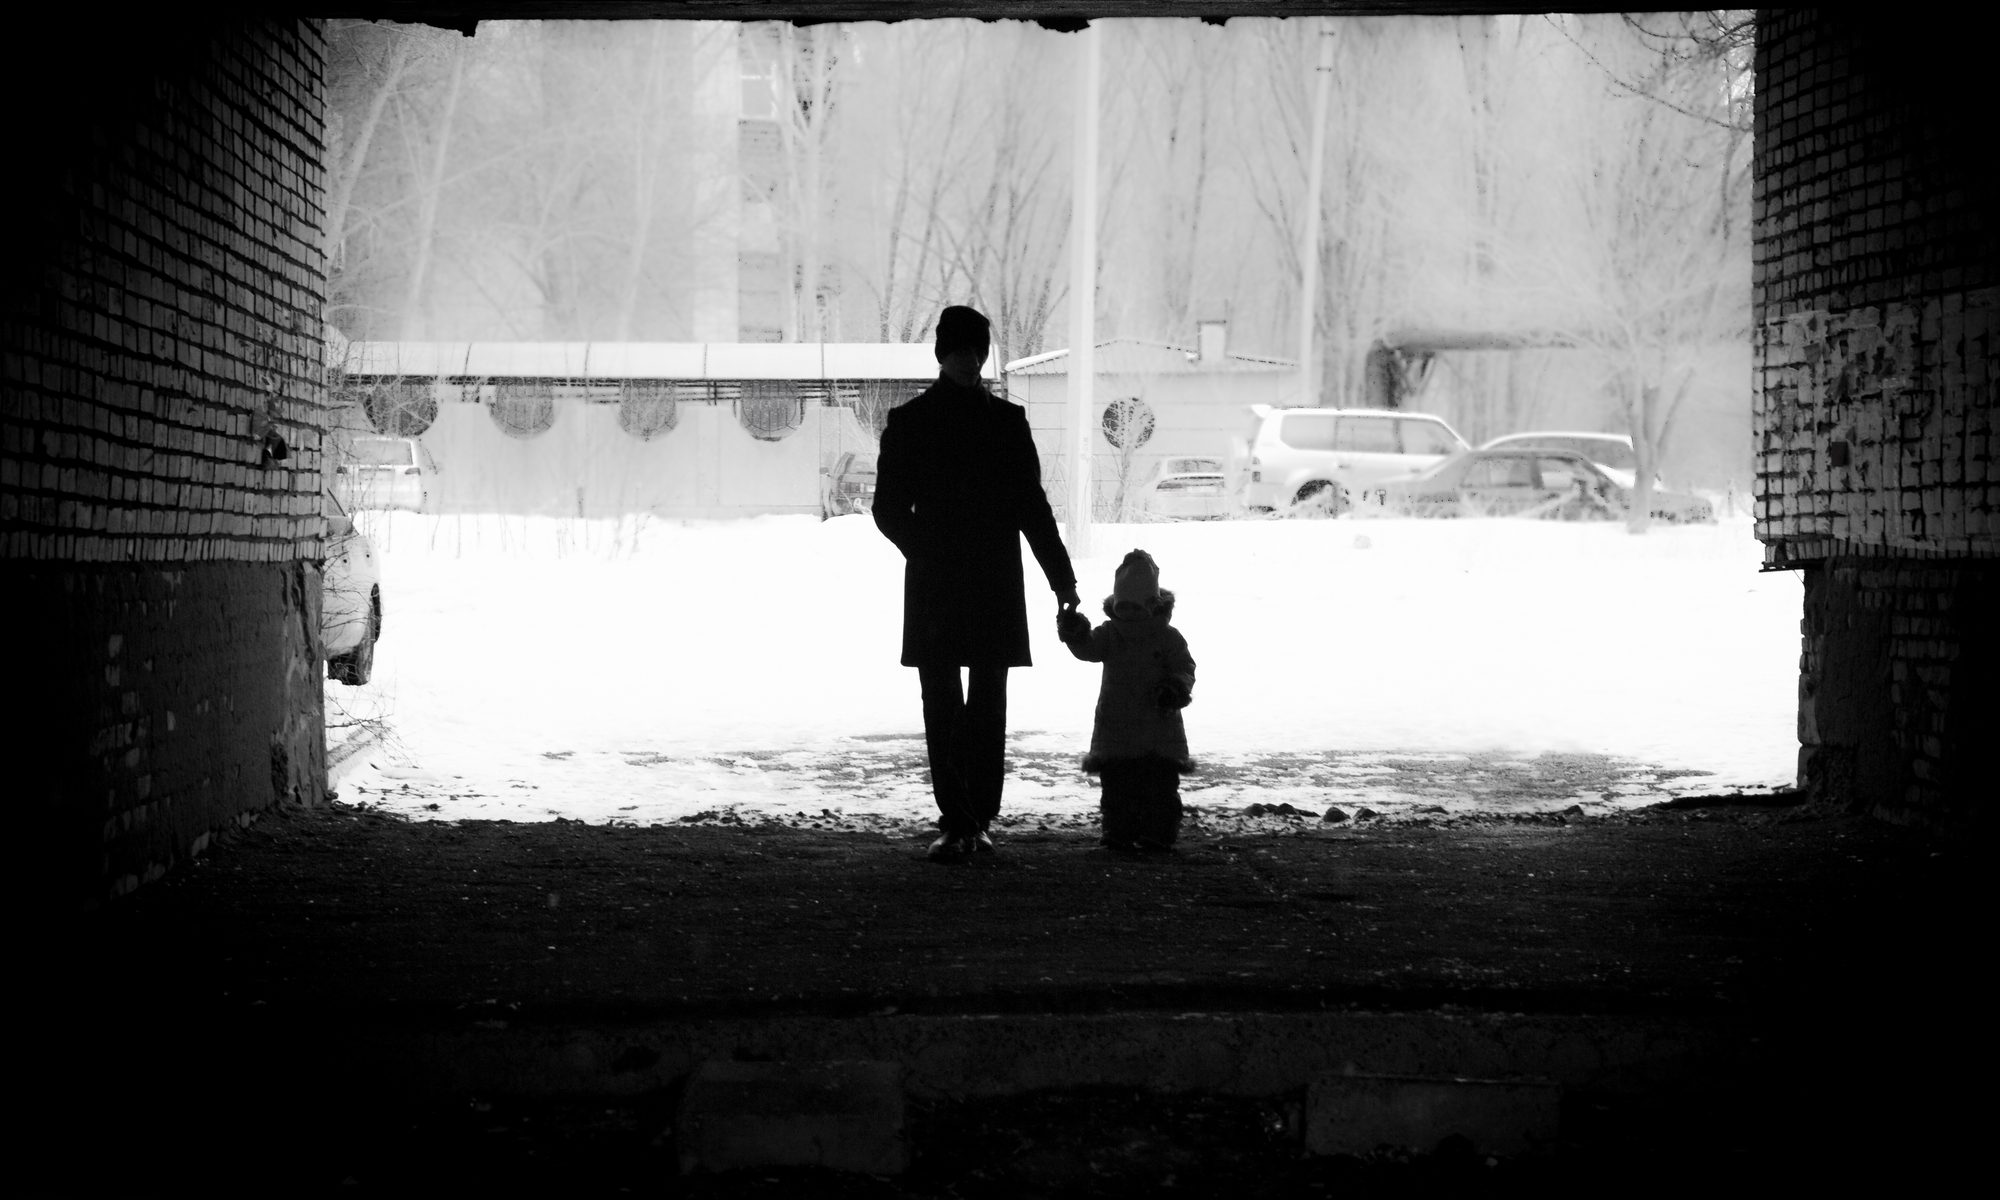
(956, 485)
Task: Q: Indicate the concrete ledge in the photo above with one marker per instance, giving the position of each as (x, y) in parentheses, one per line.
(1354, 1114)
(845, 1116)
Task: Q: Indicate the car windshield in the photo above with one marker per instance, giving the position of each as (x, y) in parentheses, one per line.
(380, 452)
(1191, 466)
(1427, 437)
(861, 464)
(1438, 468)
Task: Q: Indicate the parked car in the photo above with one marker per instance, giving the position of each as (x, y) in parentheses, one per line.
(1296, 454)
(1610, 451)
(350, 607)
(1556, 484)
(378, 471)
(1186, 488)
(850, 486)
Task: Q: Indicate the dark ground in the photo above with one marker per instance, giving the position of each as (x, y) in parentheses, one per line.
(1849, 945)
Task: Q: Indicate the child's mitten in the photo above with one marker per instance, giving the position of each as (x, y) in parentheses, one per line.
(1175, 693)
(1071, 624)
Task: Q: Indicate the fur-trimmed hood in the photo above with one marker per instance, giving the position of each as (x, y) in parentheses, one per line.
(1162, 611)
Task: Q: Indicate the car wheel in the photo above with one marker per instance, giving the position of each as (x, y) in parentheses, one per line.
(1319, 490)
(356, 666)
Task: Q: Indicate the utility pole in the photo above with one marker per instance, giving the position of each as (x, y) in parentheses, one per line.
(1309, 251)
(1083, 293)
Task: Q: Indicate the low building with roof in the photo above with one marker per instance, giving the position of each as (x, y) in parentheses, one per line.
(604, 429)
(1152, 400)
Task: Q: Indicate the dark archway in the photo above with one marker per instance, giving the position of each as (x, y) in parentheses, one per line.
(149, 311)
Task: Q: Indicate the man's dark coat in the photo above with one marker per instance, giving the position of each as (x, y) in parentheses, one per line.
(956, 485)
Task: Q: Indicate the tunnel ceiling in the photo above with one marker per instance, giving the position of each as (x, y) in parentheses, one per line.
(465, 14)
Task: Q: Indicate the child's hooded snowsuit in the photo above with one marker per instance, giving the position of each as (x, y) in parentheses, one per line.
(1148, 671)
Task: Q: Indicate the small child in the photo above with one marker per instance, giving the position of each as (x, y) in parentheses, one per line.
(1138, 746)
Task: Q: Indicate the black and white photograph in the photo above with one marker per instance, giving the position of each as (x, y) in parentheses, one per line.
(1006, 599)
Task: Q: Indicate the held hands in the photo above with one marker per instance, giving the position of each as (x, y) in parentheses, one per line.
(1069, 622)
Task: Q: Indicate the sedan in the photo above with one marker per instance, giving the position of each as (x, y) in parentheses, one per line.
(1612, 452)
(1184, 488)
(350, 607)
(1556, 484)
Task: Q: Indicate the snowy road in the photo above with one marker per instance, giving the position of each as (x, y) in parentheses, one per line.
(653, 671)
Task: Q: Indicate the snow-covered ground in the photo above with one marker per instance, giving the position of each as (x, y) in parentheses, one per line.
(653, 671)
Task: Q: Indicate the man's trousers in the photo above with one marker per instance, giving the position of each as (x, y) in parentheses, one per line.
(965, 732)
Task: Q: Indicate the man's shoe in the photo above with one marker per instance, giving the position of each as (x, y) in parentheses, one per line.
(950, 847)
(982, 842)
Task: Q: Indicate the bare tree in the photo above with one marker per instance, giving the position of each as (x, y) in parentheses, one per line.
(552, 179)
(380, 72)
(964, 199)
(428, 142)
(1009, 235)
(408, 195)
(371, 58)
(1361, 278)
(540, 220)
(579, 218)
(894, 226)
(1659, 260)
(1167, 104)
(805, 85)
(647, 147)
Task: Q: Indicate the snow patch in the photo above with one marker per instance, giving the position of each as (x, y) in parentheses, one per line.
(645, 671)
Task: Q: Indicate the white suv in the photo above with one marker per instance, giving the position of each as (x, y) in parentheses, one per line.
(1297, 454)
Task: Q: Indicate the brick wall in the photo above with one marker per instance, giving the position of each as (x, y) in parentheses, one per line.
(1877, 294)
(161, 315)
(1884, 721)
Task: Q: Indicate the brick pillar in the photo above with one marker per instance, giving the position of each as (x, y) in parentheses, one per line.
(161, 317)
(1895, 677)
(1877, 299)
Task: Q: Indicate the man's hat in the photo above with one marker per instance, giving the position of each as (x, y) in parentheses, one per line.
(962, 328)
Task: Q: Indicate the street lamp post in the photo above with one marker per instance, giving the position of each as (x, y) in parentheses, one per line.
(1309, 251)
(1083, 293)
